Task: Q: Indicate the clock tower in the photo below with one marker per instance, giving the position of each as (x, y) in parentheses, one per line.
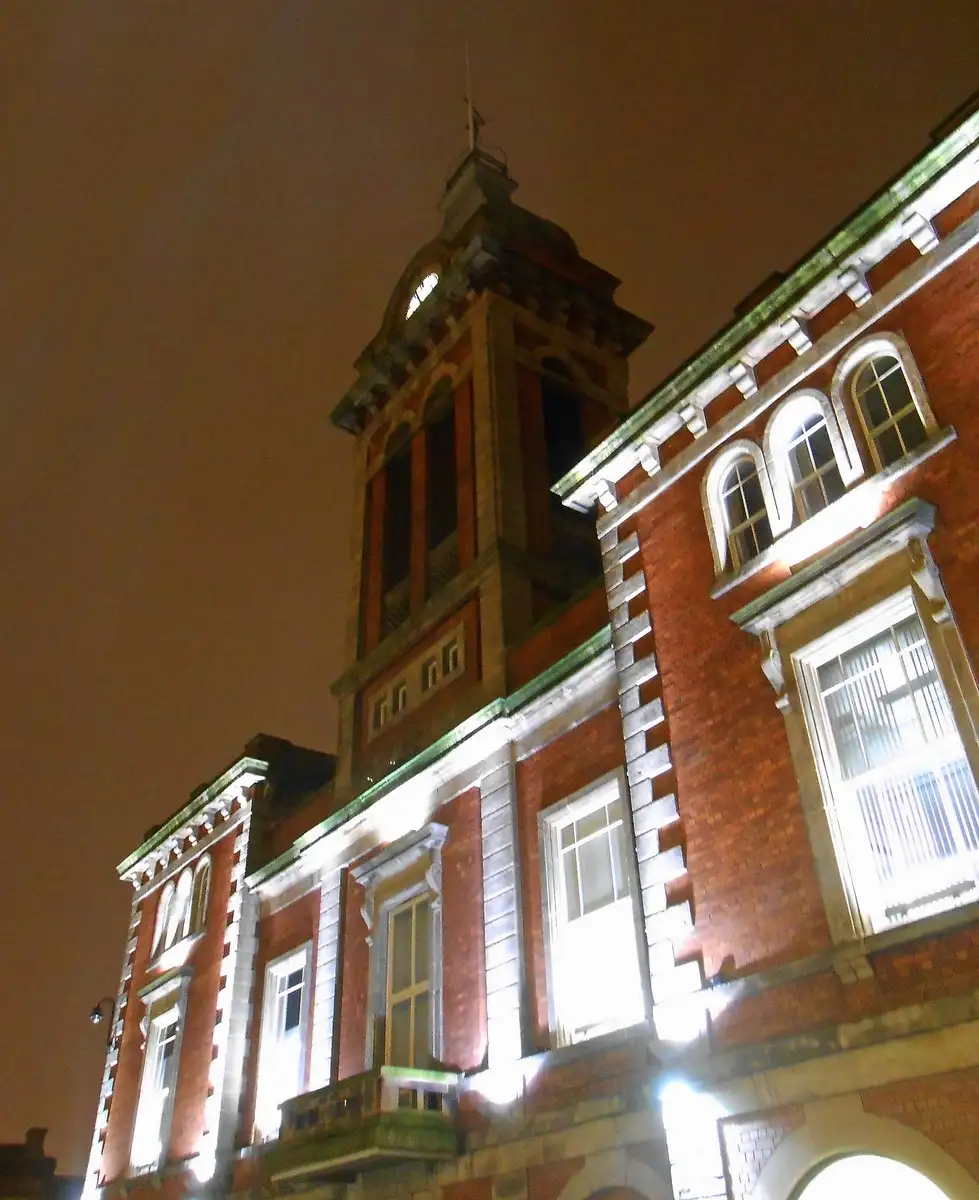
(501, 359)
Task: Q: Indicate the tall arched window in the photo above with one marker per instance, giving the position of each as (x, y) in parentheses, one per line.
(163, 917)
(202, 892)
(882, 392)
(178, 918)
(441, 489)
(747, 525)
(396, 551)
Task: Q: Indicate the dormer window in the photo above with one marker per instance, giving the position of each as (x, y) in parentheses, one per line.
(421, 292)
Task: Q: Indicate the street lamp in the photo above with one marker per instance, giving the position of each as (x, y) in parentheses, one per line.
(99, 1014)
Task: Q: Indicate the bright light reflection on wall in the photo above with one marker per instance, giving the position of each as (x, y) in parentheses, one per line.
(856, 510)
(506, 1083)
(690, 1119)
(861, 1175)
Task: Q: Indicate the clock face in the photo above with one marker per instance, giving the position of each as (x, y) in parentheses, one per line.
(422, 292)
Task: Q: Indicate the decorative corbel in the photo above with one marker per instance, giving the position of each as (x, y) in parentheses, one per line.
(433, 876)
(743, 378)
(771, 665)
(692, 415)
(649, 457)
(606, 495)
(854, 283)
(924, 572)
(796, 333)
(367, 912)
(920, 232)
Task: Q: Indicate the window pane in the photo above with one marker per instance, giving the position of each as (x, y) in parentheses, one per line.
(400, 950)
(800, 461)
(620, 870)
(571, 885)
(595, 863)
(591, 823)
(423, 1033)
(734, 507)
(833, 485)
(423, 928)
(889, 446)
(400, 1034)
(912, 430)
(293, 1008)
(753, 498)
(896, 391)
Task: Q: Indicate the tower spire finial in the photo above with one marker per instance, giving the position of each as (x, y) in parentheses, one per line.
(474, 122)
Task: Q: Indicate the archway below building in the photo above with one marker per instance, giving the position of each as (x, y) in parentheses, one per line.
(857, 1176)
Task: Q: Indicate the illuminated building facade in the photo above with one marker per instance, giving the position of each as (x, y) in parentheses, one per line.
(647, 863)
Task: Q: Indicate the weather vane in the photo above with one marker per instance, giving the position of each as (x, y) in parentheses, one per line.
(474, 120)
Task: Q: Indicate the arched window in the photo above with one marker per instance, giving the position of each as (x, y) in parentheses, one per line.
(857, 1175)
(813, 470)
(747, 525)
(202, 892)
(178, 918)
(882, 392)
(163, 917)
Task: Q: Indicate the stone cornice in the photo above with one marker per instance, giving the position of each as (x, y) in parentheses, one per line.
(901, 212)
(204, 807)
(485, 264)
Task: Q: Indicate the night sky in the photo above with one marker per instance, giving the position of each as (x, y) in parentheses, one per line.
(203, 207)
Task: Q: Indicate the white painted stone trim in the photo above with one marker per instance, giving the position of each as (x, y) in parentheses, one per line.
(327, 974)
(957, 244)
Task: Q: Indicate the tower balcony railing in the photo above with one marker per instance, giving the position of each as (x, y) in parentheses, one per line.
(384, 1117)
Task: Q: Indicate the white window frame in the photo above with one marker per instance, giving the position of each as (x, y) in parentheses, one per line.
(782, 425)
(551, 822)
(806, 662)
(849, 367)
(401, 871)
(166, 1006)
(715, 511)
(267, 1095)
(163, 907)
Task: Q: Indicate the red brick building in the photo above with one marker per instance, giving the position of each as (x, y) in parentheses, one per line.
(647, 862)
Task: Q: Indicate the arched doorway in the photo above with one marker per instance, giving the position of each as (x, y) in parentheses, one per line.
(858, 1176)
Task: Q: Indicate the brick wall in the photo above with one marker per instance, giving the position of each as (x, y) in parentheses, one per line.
(944, 1108)
(550, 642)
(556, 772)
(756, 898)
(464, 970)
(463, 982)
(195, 1053)
(748, 1144)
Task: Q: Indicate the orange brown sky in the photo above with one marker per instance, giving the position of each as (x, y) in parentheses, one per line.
(203, 206)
